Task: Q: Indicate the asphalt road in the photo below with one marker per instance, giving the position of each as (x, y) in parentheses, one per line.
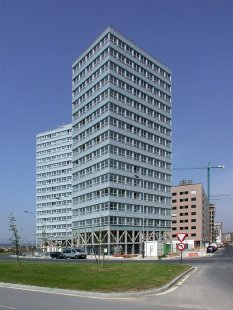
(209, 287)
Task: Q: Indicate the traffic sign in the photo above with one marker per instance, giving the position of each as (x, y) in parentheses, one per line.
(181, 236)
(181, 246)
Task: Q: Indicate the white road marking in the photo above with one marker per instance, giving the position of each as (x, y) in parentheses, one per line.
(178, 284)
(5, 307)
(66, 294)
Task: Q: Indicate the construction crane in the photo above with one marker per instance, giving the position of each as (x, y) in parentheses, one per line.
(208, 168)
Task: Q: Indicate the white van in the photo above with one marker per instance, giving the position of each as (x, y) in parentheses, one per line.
(74, 253)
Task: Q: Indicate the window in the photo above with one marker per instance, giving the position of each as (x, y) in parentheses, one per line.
(193, 206)
(173, 194)
(193, 235)
(193, 220)
(184, 193)
(173, 208)
(193, 213)
(173, 200)
(183, 221)
(193, 199)
(193, 227)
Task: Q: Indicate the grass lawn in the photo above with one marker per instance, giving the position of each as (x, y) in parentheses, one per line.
(121, 277)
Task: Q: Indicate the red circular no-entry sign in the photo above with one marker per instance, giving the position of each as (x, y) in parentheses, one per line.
(180, 246)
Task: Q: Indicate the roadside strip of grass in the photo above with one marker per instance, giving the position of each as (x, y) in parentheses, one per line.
(116, 277)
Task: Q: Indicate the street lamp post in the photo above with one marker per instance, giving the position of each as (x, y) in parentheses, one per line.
(143, 216)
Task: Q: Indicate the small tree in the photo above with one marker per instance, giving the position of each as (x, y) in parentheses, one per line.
(15, 237)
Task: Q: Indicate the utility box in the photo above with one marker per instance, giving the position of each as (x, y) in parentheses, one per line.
(153, 249)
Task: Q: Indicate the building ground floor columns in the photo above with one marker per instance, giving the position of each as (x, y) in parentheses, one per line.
(115, 242)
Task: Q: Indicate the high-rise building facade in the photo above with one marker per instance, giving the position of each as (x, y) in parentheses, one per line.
(54, 188)
(190, 213)
(121, 109)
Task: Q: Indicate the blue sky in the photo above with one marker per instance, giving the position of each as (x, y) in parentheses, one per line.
(39, 40)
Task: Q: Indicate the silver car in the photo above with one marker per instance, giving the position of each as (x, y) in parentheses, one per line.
(74, 253)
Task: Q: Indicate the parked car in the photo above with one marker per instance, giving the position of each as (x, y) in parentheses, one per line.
(56, 255)
(211, 249)
(74, 253)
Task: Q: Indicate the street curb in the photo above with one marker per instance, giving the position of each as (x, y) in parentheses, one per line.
(98, 295)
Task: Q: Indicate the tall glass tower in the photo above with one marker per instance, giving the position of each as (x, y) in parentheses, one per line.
(54, 188)
(121, 109)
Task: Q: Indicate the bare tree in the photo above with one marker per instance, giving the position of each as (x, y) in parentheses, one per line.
(15, 236)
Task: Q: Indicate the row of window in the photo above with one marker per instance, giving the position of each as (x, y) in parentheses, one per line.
(181, 193)
(116, 164)
(53, 211)
(137, 55)
(91, 78)
(184, 199)
(120, 207)
(86, 133)
(126, 100)
(138, 93)
(54, 142)
(91, 53)
(124, 140)
(53, 173)
(46, 221)
(183, 207)
(120, 193)
(54, 188)
(120, 179)
(126, 48)
(90, 67)
(44, 235)
(92, 90)
(143, 108)
(123, 153)
(139, 119)
(132, 77)
(97, 113)
(54, 181)
(54, 158)
(184, 228)
(54, 150)
(139, 144)
(54, 166)
(125, 60)
(54, 135)
(186, 213)
(54, 196)
(139, 69)
(124, 126)
(122, 221)
(192, 235)
(141, 82)
(118, 83)
(184, 221)
(44, 229)
(91, 143)
(48, 207)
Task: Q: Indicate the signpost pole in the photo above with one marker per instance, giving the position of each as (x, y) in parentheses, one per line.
(181, 256)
